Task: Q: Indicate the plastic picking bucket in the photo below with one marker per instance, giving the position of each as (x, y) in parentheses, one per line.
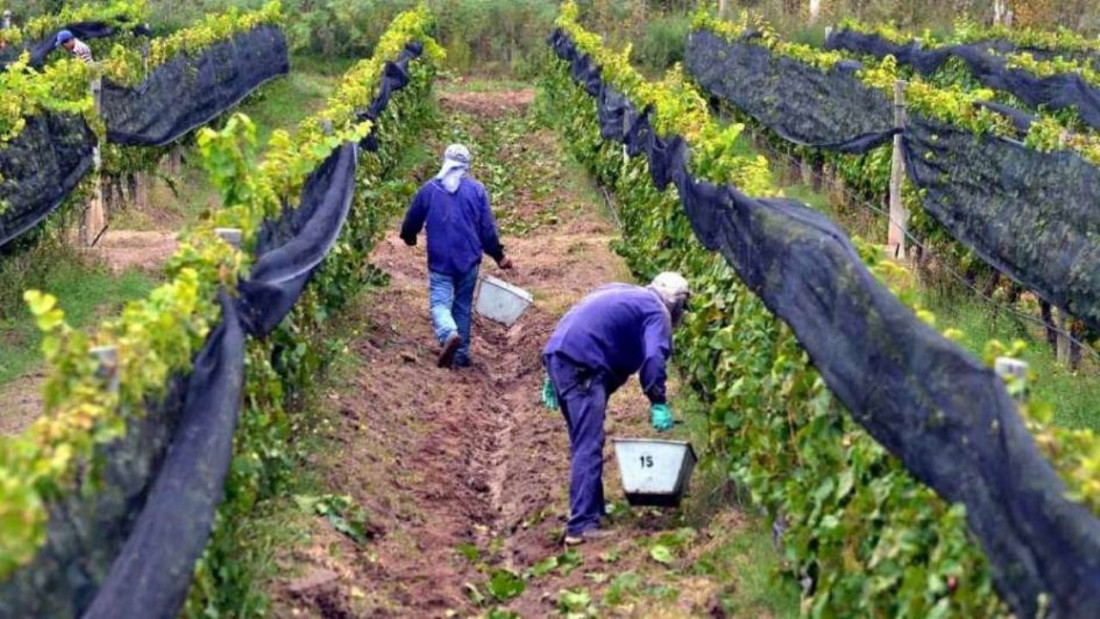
(500, 301)
(654, 472)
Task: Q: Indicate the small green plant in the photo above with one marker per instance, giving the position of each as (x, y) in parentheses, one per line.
(576, 603)
(342, 512)
(505, 585)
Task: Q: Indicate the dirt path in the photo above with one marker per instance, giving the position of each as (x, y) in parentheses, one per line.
(140, 249)
(462, 474)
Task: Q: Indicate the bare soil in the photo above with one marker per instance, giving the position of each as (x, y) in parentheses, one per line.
(126, 249)
(23, 403)
(488, 104)
(463, 473)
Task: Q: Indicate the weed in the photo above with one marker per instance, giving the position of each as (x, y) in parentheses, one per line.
(342, 512)
(505, 585)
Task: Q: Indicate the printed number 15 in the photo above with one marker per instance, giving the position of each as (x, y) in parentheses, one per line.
(647, 462)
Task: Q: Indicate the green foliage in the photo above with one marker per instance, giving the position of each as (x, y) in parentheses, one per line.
(113, 12)
(679, 109)
(953, 98)
(24, 92)
(662, 43)
(126, 65)
(342, 512)
(505, 585)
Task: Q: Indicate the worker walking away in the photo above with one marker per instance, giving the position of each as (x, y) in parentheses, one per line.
(612, 333)
(460, 227)
(74, 46)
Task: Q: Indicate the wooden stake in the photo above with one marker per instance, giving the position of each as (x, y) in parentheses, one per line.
(95, 216)
(899, 216)
(1064, 323)
(141, 191)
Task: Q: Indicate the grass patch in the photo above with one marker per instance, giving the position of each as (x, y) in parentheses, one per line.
(482, 84)
(1073, 395)
(85, 290)
(285, 102)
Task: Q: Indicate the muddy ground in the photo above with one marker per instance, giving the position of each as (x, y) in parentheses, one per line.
(463, 475)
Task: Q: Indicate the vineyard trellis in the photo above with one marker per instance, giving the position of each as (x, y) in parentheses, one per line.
(320, 161)
(936, 418)
(190, 78)
(984, 190)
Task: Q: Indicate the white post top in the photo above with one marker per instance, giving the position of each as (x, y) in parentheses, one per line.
(230, 235)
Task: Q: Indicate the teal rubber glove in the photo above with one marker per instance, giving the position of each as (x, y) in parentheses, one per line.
(660, 415)
(549, 397)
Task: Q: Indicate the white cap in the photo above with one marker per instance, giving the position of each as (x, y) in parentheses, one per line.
(457, 152)
(672, 287)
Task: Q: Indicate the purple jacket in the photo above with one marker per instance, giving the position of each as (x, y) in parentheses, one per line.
(619, 329)
(460, 226)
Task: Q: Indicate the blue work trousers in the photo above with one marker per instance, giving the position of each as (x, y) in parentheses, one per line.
(452, 306)
(582, 394)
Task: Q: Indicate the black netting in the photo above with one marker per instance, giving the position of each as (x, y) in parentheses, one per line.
(945, 415)
(152, 574)
(85, 532)
(85, 31)
(189, 91)
(39, 168)
(802, 104)
(296, 245)
(395, 76)
(1030, 214)
(1021, 121)
(1057, 92)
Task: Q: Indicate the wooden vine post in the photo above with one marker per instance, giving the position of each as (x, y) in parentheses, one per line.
(95, 217)
(899, 216)
(142, 179)
(1065, 348)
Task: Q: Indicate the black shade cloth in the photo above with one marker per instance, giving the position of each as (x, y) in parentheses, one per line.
(801, 103)
(1032, 215)
(395, 76)
(189, 91)
(85, 532)
(39, 168)
(1021, 121)
(85, 31)
(290, 250)
(946, 416)
(152, 574)
(1058, 92)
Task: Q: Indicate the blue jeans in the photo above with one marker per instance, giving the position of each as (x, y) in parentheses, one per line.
(452, 307)
(582, 395)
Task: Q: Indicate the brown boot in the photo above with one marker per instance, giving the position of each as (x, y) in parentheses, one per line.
(594, 534)
(450, 347)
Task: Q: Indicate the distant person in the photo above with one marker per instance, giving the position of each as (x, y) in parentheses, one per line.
(460, 227)
(615, 331)
(74, 46)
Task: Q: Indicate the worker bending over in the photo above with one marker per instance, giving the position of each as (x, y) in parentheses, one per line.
(612, 333)
(460, 226)
(74, 46)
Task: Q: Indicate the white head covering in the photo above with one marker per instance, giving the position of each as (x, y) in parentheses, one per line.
(456, 162)
(675, 291)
